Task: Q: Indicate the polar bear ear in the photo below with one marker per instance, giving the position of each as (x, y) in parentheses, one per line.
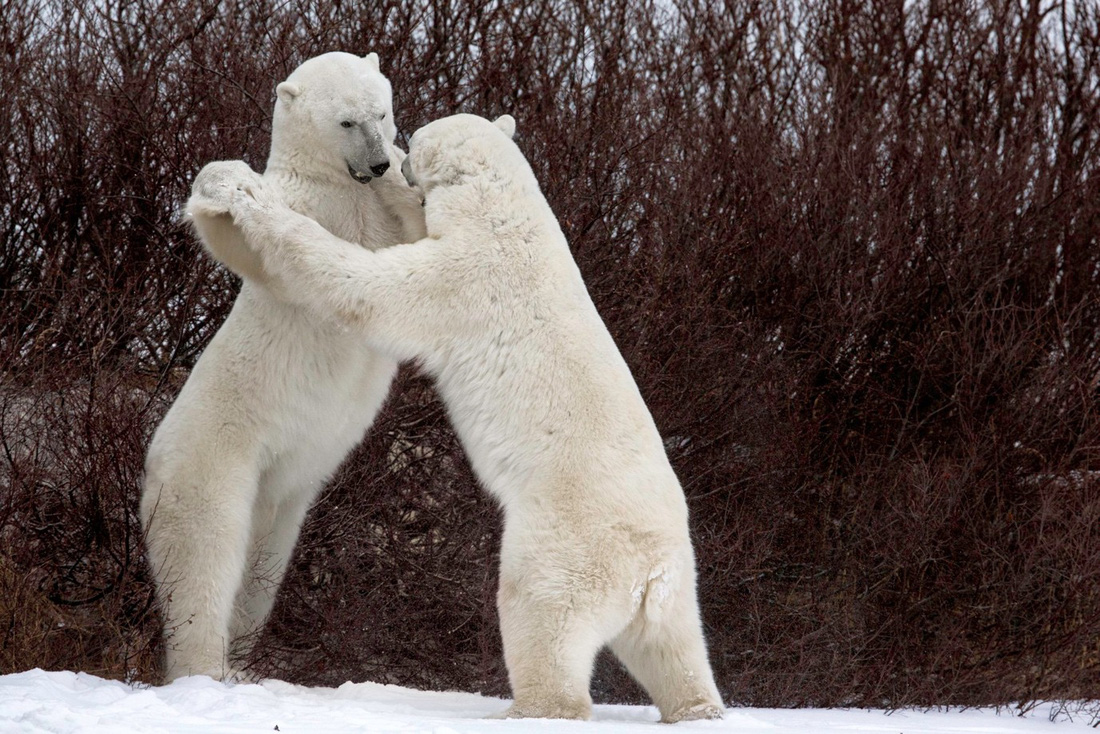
(372, 61)
(287, 91)
(507, 125)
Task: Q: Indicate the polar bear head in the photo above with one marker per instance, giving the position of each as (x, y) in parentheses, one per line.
(335, 113)
(446, 151)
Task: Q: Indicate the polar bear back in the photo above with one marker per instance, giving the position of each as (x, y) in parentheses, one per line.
(535, 385)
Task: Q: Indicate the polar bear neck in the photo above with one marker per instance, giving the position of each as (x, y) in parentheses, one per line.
(293, 160)
(488, 207)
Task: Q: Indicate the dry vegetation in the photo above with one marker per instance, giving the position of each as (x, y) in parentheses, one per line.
(849, 249)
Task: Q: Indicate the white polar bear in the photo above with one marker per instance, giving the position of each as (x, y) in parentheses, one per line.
(281, 395)
(596, 547)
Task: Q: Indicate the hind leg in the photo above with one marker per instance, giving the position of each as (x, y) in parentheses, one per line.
(549, 648)
(666, 654)
(275, 532)
(562, 597)
(197, 530)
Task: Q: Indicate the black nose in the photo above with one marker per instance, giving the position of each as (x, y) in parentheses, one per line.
(380, 168)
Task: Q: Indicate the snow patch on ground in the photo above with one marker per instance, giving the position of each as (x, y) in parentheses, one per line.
(39, 702)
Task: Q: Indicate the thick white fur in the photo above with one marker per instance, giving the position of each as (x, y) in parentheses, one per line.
(282, 393)
(596, 548)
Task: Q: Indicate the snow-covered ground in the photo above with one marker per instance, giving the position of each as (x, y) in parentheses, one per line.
(37, 701)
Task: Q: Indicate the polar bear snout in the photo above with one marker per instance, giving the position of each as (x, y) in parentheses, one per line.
(376, 171)
(407, 172)
(366, 156)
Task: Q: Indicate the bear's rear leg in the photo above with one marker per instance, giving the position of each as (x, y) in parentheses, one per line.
(274, 534)
(197, 538)
(550, 647)
(668, 657)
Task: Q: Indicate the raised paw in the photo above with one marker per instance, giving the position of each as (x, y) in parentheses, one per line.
(223, 187)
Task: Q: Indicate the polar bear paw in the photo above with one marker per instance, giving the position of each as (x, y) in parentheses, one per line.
(697, 712)
(578, 710)
(224, 187)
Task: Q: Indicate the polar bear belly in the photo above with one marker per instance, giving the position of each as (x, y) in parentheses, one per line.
(321, 404)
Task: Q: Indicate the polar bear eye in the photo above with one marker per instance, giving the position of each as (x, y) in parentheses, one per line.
(382, 116)
(346, 123)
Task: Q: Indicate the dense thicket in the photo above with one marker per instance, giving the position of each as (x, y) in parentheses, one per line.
(848, 248)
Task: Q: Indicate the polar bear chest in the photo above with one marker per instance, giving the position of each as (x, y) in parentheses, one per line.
(352, 211)
(323, 383)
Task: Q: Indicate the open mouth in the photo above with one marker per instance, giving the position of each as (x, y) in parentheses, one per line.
(360, 177)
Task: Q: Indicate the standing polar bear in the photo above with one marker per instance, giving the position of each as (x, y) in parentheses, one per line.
(281, 394)
(596, 547)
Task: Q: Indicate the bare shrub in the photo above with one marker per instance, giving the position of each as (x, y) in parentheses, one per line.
(849, 250)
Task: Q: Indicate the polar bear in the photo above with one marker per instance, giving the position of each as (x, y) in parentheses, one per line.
(281, 394)
(596, 548)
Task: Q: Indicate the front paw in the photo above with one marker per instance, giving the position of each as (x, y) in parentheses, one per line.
(223, 187)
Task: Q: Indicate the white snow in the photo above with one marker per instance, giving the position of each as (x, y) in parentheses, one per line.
(37, 701)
